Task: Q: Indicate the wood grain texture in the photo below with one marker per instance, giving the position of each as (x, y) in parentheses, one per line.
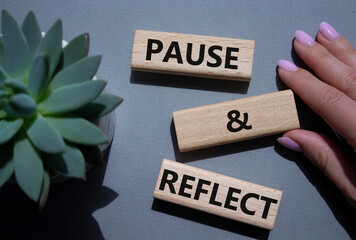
(218, 194)
(155, 64)
(207, 126)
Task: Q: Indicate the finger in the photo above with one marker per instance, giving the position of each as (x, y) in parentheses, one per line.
(327, 156)
(328, 68)
(337, 109)
(337, 45)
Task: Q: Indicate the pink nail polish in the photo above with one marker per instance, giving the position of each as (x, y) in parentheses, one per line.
(304, 39)
(287, 65)
(329, 32)
(290, 144)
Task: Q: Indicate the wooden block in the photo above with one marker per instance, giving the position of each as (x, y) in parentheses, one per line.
(236, 120)
(218, 194)
(193, 55)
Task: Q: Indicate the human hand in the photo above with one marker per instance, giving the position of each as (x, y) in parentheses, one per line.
(332, 95)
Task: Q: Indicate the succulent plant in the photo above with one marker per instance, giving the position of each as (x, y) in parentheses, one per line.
(48, 99)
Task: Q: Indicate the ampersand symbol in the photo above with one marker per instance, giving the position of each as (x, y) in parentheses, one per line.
(236, 119)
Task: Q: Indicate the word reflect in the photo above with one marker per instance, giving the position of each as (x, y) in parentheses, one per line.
(230, 197)
(218, 194)
(194, 55)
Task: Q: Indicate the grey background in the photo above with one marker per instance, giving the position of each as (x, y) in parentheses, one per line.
(116, 202)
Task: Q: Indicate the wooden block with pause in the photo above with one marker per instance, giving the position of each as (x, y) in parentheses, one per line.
(235, 120)
(218, 194)
(193, 55)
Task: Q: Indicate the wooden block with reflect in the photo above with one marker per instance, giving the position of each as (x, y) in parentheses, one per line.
(218, 194)
(235, 120)
(193, 55)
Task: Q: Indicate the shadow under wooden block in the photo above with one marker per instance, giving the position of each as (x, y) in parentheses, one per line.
(209, 219)
(177, 81)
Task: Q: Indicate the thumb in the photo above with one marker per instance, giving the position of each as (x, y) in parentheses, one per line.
(327, 156)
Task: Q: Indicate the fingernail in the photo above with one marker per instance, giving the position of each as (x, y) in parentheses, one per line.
(287, 65)
(290, 144)
(329, 32)
(304, 39)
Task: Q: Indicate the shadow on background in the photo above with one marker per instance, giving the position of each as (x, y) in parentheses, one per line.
(209, 219)
(186, 82)
(342, 210)
(68, 213)
(222, 150)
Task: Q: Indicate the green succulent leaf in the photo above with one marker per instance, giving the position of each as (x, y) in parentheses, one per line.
(100, 106)
(2, 57)
(78, 130)
(32, 32)
(6, 106)
(78, 72)
(4, 93)
(70, 163)
(3, 74)
(52, 44)
(92, 155)
(16, 52)
(72, 97)
(44, 136)
(39, 76)
(28, 167)
(19, 105)
(76, 49)
(3, 114)
(16, 85)
(45, 190)
(8, 129)
(6, 163)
